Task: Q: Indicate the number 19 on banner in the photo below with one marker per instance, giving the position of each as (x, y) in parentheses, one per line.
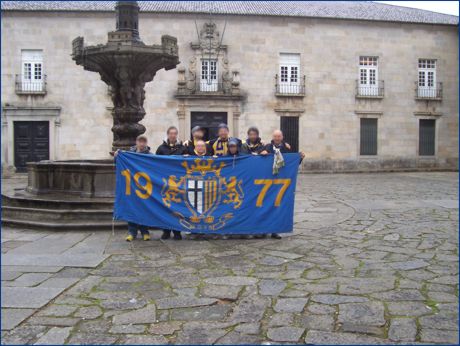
(143, 191)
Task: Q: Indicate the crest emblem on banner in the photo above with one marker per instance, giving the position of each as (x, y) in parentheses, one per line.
(202, 189)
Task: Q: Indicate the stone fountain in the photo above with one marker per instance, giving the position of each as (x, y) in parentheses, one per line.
(78, 194)
(126, 64)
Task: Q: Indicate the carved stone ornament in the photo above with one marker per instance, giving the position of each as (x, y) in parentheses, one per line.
(209, 46)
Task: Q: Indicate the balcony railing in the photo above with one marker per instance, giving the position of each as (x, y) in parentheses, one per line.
(289, 88)
(428, 92)
(370, 91)
(30, 86)
(212, 86)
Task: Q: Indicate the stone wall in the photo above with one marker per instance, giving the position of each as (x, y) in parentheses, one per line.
(329, 113)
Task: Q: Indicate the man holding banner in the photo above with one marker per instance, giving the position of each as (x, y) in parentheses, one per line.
(171, 146)
(208, 195)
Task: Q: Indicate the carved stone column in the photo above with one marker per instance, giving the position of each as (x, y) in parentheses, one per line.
(182, 126)
(236, 121)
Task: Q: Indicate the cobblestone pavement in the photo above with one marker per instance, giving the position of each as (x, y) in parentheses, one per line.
(373, 260)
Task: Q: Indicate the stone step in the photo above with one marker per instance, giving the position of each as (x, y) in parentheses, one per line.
(21, 209)
(63, 226)
(22, 199)
(40, 214)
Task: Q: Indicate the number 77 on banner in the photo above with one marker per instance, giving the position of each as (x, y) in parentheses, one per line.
(267, 183)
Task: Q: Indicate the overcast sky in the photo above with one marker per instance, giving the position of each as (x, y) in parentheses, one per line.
(449, 7)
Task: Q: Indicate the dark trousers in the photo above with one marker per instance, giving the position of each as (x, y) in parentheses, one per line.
(134, 227)
(169, 231)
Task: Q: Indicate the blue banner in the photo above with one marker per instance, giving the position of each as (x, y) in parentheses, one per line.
(206, 195)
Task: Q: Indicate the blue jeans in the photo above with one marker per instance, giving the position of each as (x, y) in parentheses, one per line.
(134, 227)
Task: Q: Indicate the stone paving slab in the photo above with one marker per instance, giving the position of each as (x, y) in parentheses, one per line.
(373, 260)
(28, 297)
(30, 269)
(87, 261)
(13, 317)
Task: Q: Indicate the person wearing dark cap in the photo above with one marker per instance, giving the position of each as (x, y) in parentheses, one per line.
(219, 145)
(171, 146)
(233, 148)
(253, 144)
(197, 135)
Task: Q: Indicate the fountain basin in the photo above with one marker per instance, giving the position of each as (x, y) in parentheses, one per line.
(83, 178)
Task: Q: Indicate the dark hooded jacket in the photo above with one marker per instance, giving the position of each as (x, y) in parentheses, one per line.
(134, 150)
(145, 151)
(249, 148)
(171, 149)
(282, 147)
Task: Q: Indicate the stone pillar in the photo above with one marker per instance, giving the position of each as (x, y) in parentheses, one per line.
(183, 133)
(236, 121)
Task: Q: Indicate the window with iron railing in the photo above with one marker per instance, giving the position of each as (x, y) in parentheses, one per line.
(31, 80)
(208, 80)
(288, 80)
(368, 84)
(427, 87)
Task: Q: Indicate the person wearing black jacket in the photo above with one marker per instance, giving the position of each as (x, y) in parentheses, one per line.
(200, 149)
(197, 135)
(171, 146)
(278, 143)
(253, 145)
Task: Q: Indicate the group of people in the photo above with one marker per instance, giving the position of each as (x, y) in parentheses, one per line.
(223, 145)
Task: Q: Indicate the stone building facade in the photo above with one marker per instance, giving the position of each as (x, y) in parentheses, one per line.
(356, 86)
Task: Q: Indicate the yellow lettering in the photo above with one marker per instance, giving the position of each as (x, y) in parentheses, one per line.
(127, 174)
(267, 183)
(146, 189)
(279, 196)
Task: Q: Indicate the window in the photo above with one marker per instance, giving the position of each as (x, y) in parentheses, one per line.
(290, 128)
(427, 78)
(368, 76)
(368, 139)
(289, 74)
(427, 129)
(32, 71)
(208, 75)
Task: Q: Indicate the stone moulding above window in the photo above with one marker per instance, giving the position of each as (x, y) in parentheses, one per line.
(368, 114)
(427, 114)
(289, 112)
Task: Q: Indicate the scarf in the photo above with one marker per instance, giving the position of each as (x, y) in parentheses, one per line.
(253, 146)
(197, 154)
(220, 147)
(278, 160)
